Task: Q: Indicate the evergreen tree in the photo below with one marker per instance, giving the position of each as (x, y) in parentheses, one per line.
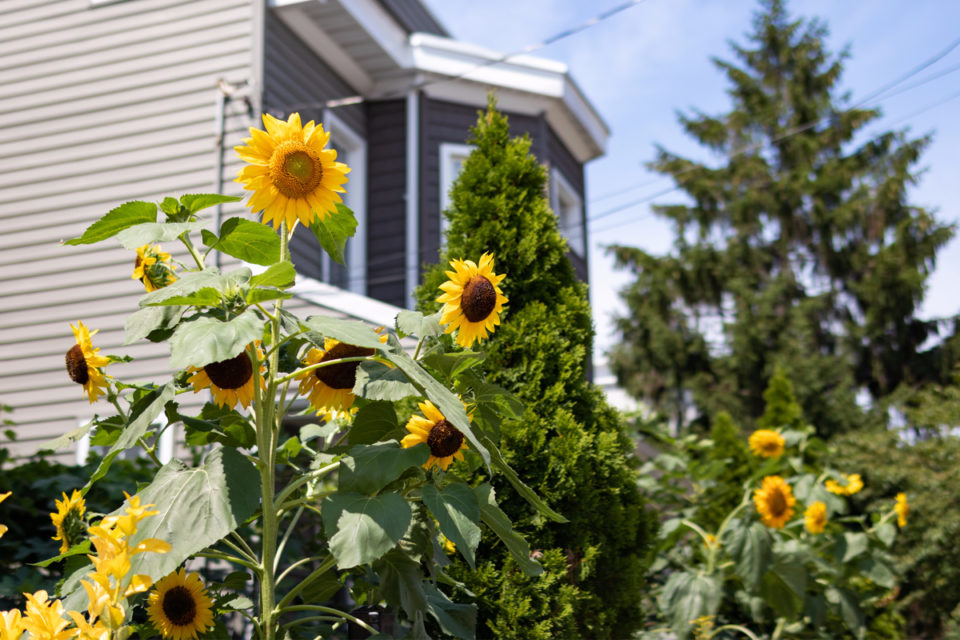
(799, 249)
(569, 445)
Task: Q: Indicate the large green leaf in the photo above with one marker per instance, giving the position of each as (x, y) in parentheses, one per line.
(876, 571)
(377, 381)
(280, 275)
(361, 529)
(69, 438)
(145, 321)
(184, 286)
(199, 342)
(528, 494)
(206, 297)
(449, 404)
(751, 548)
(373, 422)
(459, 620)
(333, 229)
(783, 588)
(416, 324)
(149, 232)
(500, 524)
(851, 545)
(142, 415)
(845, 603)
(249, 241)
(347, 331)
(124, 216)
(457, 511)
(371, 467)
(400, 582)
(195, 202)
(688, 596)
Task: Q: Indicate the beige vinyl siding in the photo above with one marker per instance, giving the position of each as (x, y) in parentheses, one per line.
(99, 105)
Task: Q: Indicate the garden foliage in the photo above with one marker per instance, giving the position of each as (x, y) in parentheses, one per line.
(571, 445)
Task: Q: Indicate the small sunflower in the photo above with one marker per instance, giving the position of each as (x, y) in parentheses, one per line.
(447, 545)
(472, 299)
(230, 381)
(153, 268)
(3, 527)
(292, 176)
(44, 618)
(766, 443)
(815, 517)
(445, 440)
(851, 484)
(330, 388)
(179, 606)
(711, 542)
(69, 520)
(774, 501)
(84, 365)
(902, 508)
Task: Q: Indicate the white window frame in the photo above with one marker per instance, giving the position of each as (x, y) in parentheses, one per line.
(563, 198)
(164, 447)
(449, 152)
(355, 198)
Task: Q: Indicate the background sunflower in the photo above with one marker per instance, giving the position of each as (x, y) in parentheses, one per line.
(445, 440)
(230, 381)
(83, 363)
(472, 299)
(69, 520)
(179, 606)
(774, 501)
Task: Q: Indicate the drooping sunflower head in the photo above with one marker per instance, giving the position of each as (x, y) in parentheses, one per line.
(330, 388)
(815, 517)
(851, 484)
(69, 520)
(153, 268)
(179, 606)
(774, 501)
(446, 442)
(291, 173)
(472, 299)
(230, 381)
(902, 507)
(84, 366)
(766, 443)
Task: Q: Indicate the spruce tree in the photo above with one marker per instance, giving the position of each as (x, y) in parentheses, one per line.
(569, 445)
(798, 248)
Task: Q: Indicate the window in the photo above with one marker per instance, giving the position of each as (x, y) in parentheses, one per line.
(452, 157)
(568, 206)
(164, 446)
(352, 150)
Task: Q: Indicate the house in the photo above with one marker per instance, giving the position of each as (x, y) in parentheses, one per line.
(106, 101)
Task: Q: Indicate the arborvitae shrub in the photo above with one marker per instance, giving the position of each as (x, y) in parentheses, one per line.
(570, 445)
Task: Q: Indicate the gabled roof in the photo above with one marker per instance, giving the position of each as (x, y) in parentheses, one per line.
(378, 56)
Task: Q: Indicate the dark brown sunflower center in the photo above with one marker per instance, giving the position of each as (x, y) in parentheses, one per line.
(137, 262)
(343, 375)
(232, 373)
(777, 503)
(179, 606)
(295, 169)
(77, 365)
(444, 439)
(478, 299)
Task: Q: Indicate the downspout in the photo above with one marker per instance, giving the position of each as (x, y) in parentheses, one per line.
(413, 198)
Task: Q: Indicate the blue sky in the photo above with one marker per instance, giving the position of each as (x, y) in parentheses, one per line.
(642, 65)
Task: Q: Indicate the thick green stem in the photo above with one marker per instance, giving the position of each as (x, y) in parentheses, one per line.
(333, 612)
(305, 478)
(303, 584)
(185, 238)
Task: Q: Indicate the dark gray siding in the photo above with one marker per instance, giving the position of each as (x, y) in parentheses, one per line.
(564, 162)
(386, 201)
(413, 16)
(295, 77)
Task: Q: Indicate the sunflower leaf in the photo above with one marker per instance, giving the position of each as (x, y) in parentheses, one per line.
(360, 528)
(189, 283)
(456, 509)
(280, 275)
(249, 241)
(198, 201)
(373, 422)
(333, 230)
(498, 521)
(347, 331)
(204, 340)
(206, 297)
(371, 467)
(124, 216)
(528, 494)
(458, 620)
(143, 322)
(400, 582)
(150, 232)
(377, 381)
(416, 324)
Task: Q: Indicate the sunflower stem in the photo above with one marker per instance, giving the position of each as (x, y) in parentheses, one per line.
(328, 564)
(240, 551)
(151, 451)
(185, 239)
(305, 478)
(220, 555)
(333, 612)
(286, 536)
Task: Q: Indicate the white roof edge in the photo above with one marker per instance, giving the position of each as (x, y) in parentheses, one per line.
(420, 39)
(352, 304)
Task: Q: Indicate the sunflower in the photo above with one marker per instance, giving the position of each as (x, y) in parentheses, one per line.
(230, 381)
(815, 517)
(766, 443)
(472, 299)
(851, 484)
(10, 624)
(153, 268)
(902, 508)
(774, 500)
(330, 388)
(69, 520)
(711, 541)
(84, 365)
(44, 618)
(445, 440)
(179, 606)
(3, 527)
(290, 173)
